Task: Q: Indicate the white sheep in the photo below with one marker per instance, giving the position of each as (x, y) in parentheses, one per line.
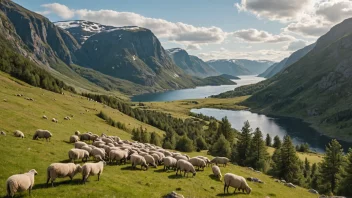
(138, 160)
(80, 144)
(67, 118)
(18, 133)
(169, 162)
(92, 169)
(61, 170)
(77, 133)
(20, 182)
(74, 138)
(44, 117)
(237, 182)
(183, 165)
(3, 133)
(150, 160)
(118, 155)
(200, 163)
(98, 151)
(179, 157)
(220, 160)
(40, 133)
(85, 136)
(54, 120)
(205, 159)
(87, 148)
(216, 171)
(75, 154)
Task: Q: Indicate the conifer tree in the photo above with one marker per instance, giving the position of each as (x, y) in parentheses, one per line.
(268, 140)
(346, 183)
(306, 171)
(257, 151)
(155, 139)
(277, 142)
(221, 147)
(243, 144)
(226, 130)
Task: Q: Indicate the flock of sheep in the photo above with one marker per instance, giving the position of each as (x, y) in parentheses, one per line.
(114, 150)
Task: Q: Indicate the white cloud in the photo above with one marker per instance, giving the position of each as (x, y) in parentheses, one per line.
(335, 10)
(296, 45)
(193, 47)
(59, 9)
(259, 36)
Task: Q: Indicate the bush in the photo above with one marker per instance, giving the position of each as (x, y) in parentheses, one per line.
(184, 144)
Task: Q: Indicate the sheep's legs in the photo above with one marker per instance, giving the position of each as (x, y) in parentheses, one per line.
(47, 181)
(98, 176)
(224, 188)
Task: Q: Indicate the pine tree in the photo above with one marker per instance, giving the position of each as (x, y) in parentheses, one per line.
(277, 142)
(145, 136)
(155, 139)
(136, 135)
(221, 147)
(226, 130)
(331, 167)
(306, 171)
(346, 183)
(268, 140)
(184, 144)
(243, 144)
(314, 176)
(257, 151)
(201, 144)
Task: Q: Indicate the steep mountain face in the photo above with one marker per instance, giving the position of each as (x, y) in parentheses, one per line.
(294, 57)
(316, 88)
(255, 66)
(225, 66)
(191, 65)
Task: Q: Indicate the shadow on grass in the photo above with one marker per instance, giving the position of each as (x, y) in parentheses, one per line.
(65, 161)
(138, 168)
(225, 194)
(160, 170)
(67, 142)
(213, 177)
(174, 176)
(56, 184)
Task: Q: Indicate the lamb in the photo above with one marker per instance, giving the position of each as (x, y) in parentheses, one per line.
(220, 160)
(74, 138)
(118, 155)
(216, 171)
(40, 133)
(236, 182)
(80, 144)
(185, 166)
(54, 120)
(195, 161)
(150, 160)
(169, 162)
(44, 117)
(98, 151)
(92, 169)
(3, 133)
(61, 170)
(138, 160)
(20, 182)
(18, 133)
(74, 154)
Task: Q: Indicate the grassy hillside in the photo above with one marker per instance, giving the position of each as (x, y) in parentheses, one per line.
(20, 155)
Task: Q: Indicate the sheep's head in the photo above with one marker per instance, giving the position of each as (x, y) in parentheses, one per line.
(248, 190)
(146, 166)
(34, 172)
(194, 173)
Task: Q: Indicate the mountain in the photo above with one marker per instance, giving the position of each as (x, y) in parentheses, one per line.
(225, 66)
(317, 88)
(254, 66)
(294, 57)
(192, 65)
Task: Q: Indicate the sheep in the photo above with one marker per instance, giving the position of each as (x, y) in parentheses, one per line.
(40, 133)
(169, 162)
(54, 120)
(74, 154)
(156, 158)
(107, 140)
(138, 160)
(74, 138)
(92, 169)
(20, 182)
(220, 160)
(118, 155)
(3, 133)
(179, 157)
(313, 191)
(67, 118)
(61, 170)
(18, 133)
(207, 161)
(85, 136)
(150, 160)
(185, 166)
(236, 182)
(195, 161)
(77, 133)
(80, 144)
(98, 151)
(290, 185)
(87, 148)
(216, 171)
(44, 117)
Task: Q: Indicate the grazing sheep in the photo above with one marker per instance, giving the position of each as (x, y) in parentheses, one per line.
(207, 161)
(40, 133)
(85, 136)
(220, 160)
(179, 157)
(216, 171)
(3, 133)
(107, 140)
(150, 160)
(195, 161)
(98, 151)
(74, 138)
(235, 181)
(169, 162)
(118, 155)
(44, 117)
(75, 154)
(61, 170)
(185, 166)
(77, 133)
(290, 185)
(97, 158)
(20, 182)
(80, 144)
(67, 118)
(87, 148)
(138, 160)
(18, 133)
(54, 120)
(92, 169)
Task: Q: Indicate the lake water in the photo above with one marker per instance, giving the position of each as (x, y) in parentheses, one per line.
(299, 131)
(196, 93)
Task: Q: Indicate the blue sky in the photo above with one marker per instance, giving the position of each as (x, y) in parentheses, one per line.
(212, 29)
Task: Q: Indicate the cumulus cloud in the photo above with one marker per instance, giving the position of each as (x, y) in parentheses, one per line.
(59, 9)
(193, 47)
(254, 35)
(335, 10)
(296, 45)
